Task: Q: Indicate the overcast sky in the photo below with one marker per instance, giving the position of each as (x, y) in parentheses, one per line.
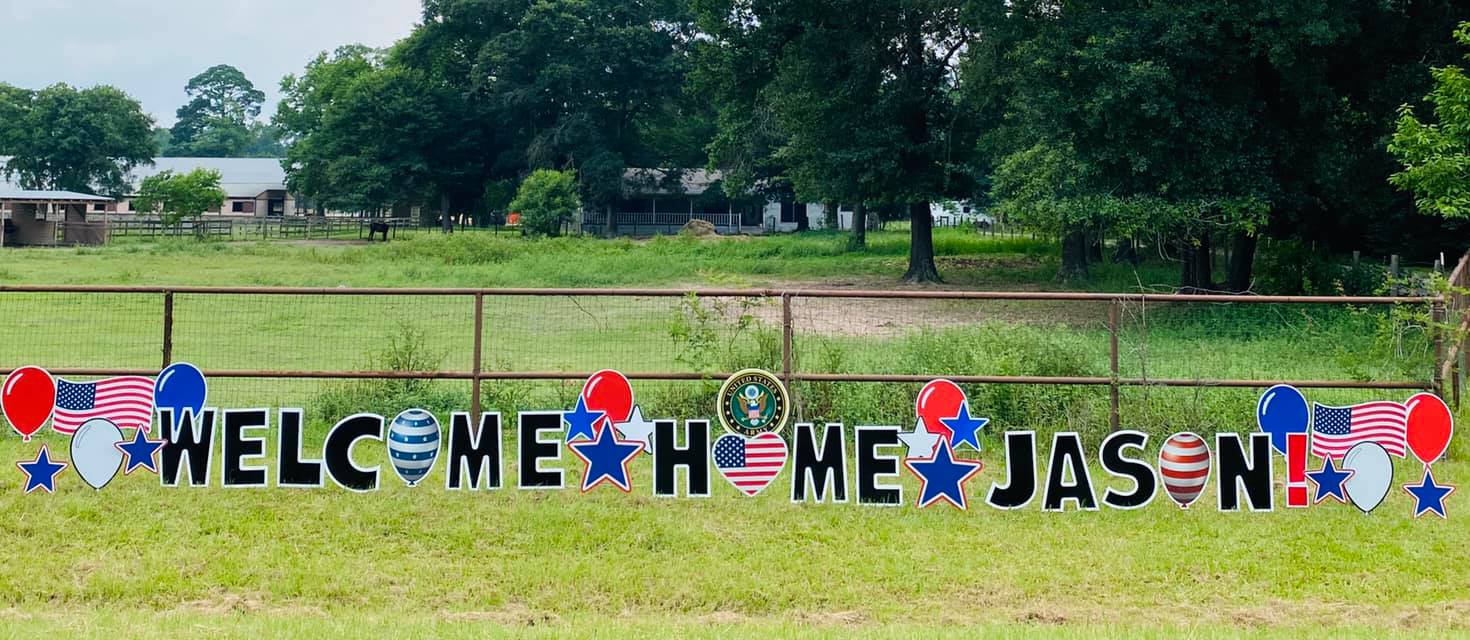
(150, 48)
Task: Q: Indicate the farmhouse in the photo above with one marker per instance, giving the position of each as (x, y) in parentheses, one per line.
(254, 187)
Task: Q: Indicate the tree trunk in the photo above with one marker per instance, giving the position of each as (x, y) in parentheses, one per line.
(921, 245)
(1196, 272)
(444, 221)
(859, 239)
(1242, 259)
(1074, 255)
(611, 228)
(829, 214)
(1094, 247)
(1206, 257)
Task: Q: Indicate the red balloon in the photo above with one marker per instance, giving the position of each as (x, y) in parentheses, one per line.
(939, 400)
(608, 391)
(28, 398)
(1430, 426)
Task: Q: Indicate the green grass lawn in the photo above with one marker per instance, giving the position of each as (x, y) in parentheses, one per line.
(140, 558)
(137, 559)
(482, 258)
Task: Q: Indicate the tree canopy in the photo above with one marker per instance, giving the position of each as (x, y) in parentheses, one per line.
(219, 118)
(83, 140)
(1197, 121)
(1436, 154)
(1185, 125)
(852, 100)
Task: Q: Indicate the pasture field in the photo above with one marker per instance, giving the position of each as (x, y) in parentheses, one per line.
(140, 560)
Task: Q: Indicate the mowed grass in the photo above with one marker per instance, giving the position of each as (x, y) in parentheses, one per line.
(137, 556)
(137, 559)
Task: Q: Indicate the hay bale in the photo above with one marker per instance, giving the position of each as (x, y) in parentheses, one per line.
(698, 228)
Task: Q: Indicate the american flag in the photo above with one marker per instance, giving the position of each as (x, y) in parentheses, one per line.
(126, 400)
(1337, 429)
(751, 464)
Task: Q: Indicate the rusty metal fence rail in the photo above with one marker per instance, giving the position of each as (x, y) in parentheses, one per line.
(806, 335)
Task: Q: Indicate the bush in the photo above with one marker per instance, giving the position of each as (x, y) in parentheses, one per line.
(407, 350)
(547, 200)
(992, 348)
(1293, 268)
(175, 196)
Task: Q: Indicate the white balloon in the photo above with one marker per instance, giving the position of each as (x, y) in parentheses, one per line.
(94, 453)
(1372, 475)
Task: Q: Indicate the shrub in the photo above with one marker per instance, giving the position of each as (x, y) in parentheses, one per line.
(547, 200)
(175, 196)
(1294, 268)
(407, 350)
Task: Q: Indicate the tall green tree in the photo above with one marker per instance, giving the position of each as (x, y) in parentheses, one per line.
(299, 118)
(1436, 152)
(555, 83)
(391, 137)
(14, 101)
(84, 140)
(216, 120)
(860, 96)
(1229, 118)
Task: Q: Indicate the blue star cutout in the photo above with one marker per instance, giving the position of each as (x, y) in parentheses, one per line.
(1329, 482)
(1429, 496)
(607, 459)
(41, 472)
(966, 429)
(943, 477)
(580, 421)
(141, 452)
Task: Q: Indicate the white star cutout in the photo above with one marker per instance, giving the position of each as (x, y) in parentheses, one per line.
(636, 429)
(920, 441)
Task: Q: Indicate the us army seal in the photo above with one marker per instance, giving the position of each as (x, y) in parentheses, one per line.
(753, 402)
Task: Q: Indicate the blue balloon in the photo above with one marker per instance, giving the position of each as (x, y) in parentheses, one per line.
(180, 387)
(1282, 410)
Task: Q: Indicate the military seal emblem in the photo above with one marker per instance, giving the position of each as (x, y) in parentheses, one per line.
(753, 402)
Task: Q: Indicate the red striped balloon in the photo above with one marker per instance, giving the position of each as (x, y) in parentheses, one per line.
(1184, 466)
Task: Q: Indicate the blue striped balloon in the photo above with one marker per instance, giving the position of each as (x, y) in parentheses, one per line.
(413, 444)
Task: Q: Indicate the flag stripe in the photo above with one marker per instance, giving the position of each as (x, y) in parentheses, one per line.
(1335, 430)
(127, 401)
(750, 464)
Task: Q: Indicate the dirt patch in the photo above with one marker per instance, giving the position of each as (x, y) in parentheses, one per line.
(514, 615)
(723, 618)
(834, 618)
(223, 603)
(891, 318)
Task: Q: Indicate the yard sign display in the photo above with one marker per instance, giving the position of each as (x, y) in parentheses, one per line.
(110, 424)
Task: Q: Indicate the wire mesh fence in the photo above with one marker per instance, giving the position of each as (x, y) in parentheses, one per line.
(1105, 360)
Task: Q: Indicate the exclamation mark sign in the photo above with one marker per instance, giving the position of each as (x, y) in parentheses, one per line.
(1296, 470)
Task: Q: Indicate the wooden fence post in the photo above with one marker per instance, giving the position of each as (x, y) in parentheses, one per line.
(786, 340)
(168, 328)
(475, 360)
(1436, 314)
(1393, 274)
(1114, 417)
